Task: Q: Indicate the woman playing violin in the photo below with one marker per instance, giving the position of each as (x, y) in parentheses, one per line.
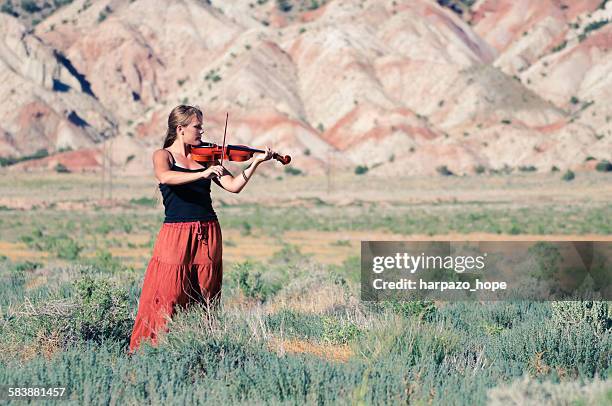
(186, 265)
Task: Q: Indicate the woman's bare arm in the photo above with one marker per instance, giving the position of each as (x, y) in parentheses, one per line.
(164, 175)
(235, 184)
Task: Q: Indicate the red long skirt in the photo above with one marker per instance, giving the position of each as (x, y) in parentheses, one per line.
(186, 268)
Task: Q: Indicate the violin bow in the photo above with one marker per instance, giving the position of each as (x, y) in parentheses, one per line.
(224, 134)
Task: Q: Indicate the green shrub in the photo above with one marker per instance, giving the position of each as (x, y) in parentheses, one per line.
(596, 314)
(105, 263)
(314, 4)
(213, 75)
(103, 312)
(284, 5)
(144, 201)
(290, 170)
(604, 166)
(61, 245)
(246, 228)
(292, 324)
(422, 309)
(361, 169)
(104, 13)
(479, 169)
(67, 248)
(339, 332)
(341, 243)
(7, 8)
(595, 25)
(444, 171)
(568, 176)
(560, 47)
(103, 228)
(548, 259)
(127, 227)
(288, 255)
(16, 275)
(99, 312)
(6, 161)
(60, 168)
(30, 6)
(250, 283)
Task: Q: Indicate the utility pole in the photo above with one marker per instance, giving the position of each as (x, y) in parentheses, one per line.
(110, 169)
(103, 171)
(106, 184)
(328, 171)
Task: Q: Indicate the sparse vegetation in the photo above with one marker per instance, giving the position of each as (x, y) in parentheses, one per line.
(594, 26)
(30, 6)
(104, 13)
(291, 170)
(61, 168)
(6, 161)
(361, 169)
(144, 201)
(213, 76)
(560, 47)
(444, 171)
(604, 166)
(7, 8)
(307, 355)
(291, 329)
(568, 175)
(284, 5)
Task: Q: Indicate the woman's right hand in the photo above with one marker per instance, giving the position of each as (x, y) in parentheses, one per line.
(215, 171)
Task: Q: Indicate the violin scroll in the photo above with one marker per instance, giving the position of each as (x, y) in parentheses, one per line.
(283, 159)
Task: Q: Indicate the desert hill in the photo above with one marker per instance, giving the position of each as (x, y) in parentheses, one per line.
(402, 87)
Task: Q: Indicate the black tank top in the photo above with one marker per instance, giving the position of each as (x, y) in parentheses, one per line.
(189, 201)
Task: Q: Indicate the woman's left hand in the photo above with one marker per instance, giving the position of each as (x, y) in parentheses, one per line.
(266, 156)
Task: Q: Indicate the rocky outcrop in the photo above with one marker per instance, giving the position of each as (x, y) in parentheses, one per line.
(43, 106)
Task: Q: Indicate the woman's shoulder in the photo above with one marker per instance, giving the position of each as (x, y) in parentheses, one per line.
(161, 154)
(161, 151)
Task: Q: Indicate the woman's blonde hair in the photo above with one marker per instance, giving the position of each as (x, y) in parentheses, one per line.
(180, 115)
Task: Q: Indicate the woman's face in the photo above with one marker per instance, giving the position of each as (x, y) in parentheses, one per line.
(192, 134)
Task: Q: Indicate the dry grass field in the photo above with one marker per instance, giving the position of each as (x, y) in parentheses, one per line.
(343, 211)
(292, 328)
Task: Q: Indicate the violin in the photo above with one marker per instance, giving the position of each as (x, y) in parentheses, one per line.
(209, 152)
